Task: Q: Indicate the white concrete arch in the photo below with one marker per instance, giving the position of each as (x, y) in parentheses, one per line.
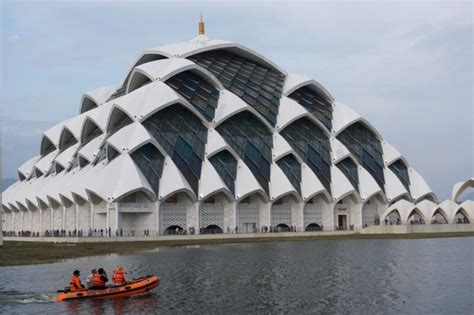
(246, 183)
(130, 137)
(164, 69)
(46, 145)
(290, 111)
(282, 148)
(88, 126)
(92, 148)
(415, 211)
(449, 208)
(467, 209)
(344, 117)
(45, 163)
(156, 96)
(418, 186)
(173, 181)
(111, 187)
(394, 188)
(341, 187)
(230, 105)
(203, 44)
(96, 98)
(391, 154)
(460, 187)
(280, 185)
(100, 115)
(297, 81)
(215, 144)
(310, 184)
(66, 134)
(116, 115)
(368, 187)
(426, 207)
(51, 136)
(442, 213)
(213, 182)
(26, 168)
(65, 158)
(339, 151)
(402, 206)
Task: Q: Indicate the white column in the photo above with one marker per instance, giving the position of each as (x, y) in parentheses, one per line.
(108, 219)
(118, 217)
(92, 216)
(157, 209)
(51, 218)
(64, 218)
(77, 218)
(41, 221)
(31, 220)
(22, 219)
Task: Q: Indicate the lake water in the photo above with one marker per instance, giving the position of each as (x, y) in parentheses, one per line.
(421, 276)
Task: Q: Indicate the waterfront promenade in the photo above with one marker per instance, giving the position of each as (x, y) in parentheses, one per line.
(375, 231)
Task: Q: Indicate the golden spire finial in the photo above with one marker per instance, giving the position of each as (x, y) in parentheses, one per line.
(201, 26)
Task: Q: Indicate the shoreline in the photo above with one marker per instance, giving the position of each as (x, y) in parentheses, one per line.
(18, 253)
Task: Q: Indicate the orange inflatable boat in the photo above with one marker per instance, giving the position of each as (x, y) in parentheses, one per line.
(140, 286)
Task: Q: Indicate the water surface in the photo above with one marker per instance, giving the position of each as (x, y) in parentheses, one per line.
(421, 276)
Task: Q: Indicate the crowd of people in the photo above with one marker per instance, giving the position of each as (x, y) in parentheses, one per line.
(97, 280)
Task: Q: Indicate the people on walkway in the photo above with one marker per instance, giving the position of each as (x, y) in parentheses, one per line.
(75, 285)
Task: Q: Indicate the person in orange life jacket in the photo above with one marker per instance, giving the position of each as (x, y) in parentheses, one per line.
(75, 285)
(100, 279)
(119, 277)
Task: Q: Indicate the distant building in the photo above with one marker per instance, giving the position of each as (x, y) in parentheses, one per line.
(210, 136)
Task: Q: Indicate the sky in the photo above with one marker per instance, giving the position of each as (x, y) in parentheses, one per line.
(405, 67)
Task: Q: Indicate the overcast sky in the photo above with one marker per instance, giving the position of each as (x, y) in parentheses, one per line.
(407, 68)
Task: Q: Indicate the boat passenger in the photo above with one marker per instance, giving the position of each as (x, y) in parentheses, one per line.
(119, 276)
(90, 278)
(75, 285)
(99, 280)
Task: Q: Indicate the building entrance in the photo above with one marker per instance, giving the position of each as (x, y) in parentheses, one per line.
(342, 221)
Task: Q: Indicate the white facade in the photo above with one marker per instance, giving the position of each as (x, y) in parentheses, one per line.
(111, 168)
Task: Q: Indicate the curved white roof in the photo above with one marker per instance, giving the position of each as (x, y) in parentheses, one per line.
(460, 187)
(114, 179)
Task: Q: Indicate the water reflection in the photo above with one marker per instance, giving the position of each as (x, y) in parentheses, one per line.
(355, 276)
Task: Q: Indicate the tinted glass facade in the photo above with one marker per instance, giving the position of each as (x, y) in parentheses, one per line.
(252, 141)
(367, 149)
(292, 169)
(197, 91)
(401, 170)
(349, 169)
(259, 86)
(226, 166)
(150, 161)
(315, 103)
(183, 136)
(312, 145)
